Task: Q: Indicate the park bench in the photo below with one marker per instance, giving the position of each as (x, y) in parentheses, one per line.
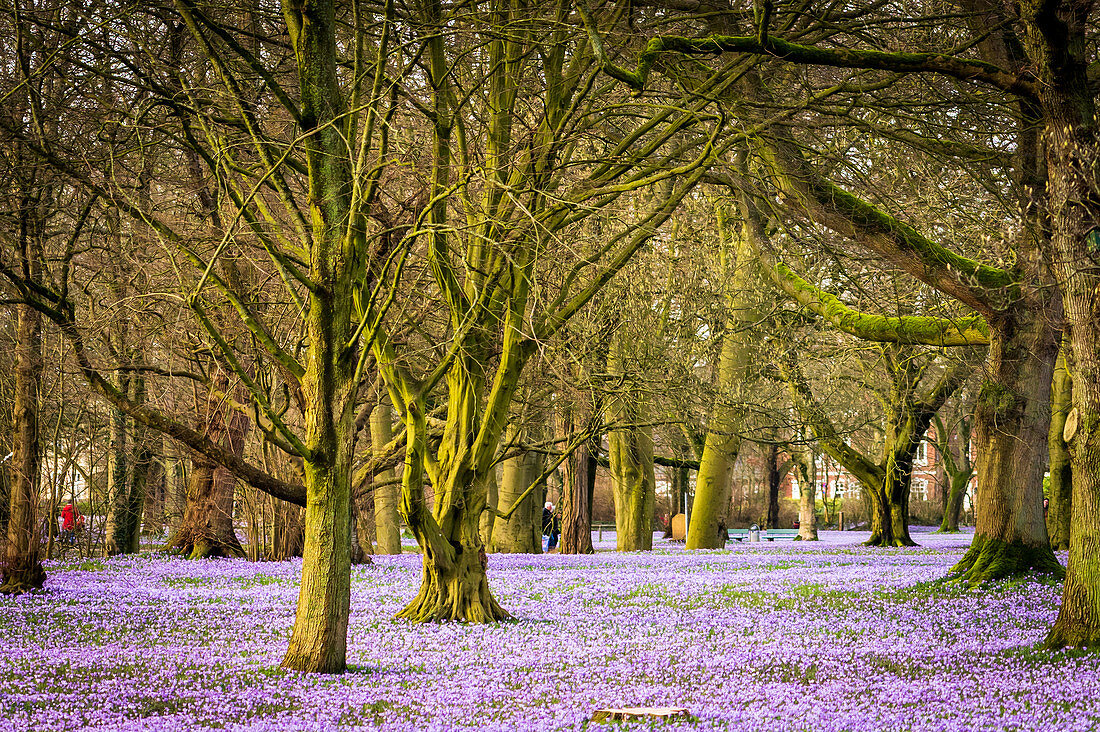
(738, 534)
(773, 534)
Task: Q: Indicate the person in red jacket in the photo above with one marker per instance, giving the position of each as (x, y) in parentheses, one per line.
(71, 522)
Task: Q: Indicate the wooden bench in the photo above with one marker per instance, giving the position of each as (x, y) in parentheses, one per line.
(738, 534)
(773, 534)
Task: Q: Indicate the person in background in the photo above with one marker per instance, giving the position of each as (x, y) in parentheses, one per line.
(68, 524)
(551, 523)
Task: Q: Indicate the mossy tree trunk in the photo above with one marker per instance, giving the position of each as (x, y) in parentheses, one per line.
(22, 569)
(1056, 38)
(1060, 493)
(722, 441)
(387, 491)
(1011, 425)
(630, 453)
(521, 532)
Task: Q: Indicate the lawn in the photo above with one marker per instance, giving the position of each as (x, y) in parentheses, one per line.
(785, 636)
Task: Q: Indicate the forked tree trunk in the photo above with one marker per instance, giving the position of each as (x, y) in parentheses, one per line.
(960, 481)
(1011, 423)
(453, 582)
(1060, 494)
(22, 569)
(206, 529)
(387, 492)
(959, 471)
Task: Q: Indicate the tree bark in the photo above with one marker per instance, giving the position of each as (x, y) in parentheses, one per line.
(520, 533)
(387, 491)
(807, 493)
(631, 458)
(578, 487)
(722, 441)
(1011, 423)
(1060, 492)
(22, 569)
(206, 529)
(771, 464)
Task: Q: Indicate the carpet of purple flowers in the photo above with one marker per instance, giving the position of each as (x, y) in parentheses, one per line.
(784, 636)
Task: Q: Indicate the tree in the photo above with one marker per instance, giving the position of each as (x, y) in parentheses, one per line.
(1016, 299)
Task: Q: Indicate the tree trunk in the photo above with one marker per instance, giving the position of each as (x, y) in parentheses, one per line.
(576, 513)
(1057, 41)
(22, 566)
(117, 524)
(807, 493)
(578, 481)
(206, 529)
(152, 521)
(773, 479)
(387, 491)
(959, 471)
(633, 481)
(722, 442)
(453, 583)
(960, 481)
(1060, 494)
(1011, 423)
(488, 518)
(520, 533)
(362, 527)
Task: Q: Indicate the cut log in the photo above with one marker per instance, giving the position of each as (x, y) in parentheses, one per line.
(610, 715)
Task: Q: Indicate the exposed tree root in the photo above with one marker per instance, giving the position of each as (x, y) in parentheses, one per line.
(991, 559)
(18, 581)
(457, 592)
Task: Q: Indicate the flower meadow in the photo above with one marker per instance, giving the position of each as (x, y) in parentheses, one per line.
(783, 636)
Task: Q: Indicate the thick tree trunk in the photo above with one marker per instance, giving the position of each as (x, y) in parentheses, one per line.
(579, 487)
(22, 566)
(1060, 494)
(1058, 44)
(387, 491)
(578, 482)
(520, 533)
(890, 503)
(453, 583)
(1011, 423)
(206, 529)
